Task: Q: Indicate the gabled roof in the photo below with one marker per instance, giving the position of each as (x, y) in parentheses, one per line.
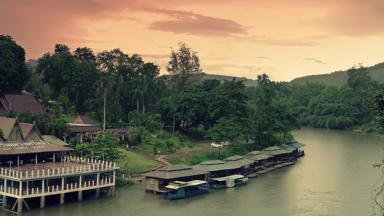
(25, 129)
(6, 125)
(22, 103)
(83, 119)
(28, 139)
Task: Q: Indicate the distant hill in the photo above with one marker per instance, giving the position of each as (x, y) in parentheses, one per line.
(246, 81)
(339, 78)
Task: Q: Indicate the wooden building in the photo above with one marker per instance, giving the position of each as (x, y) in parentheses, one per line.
(33, 170)
(218, 168)
(85, 127)
(243, 164)
(157, 181)
(20, 103)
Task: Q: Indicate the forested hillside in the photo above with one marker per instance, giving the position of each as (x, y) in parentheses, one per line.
(340, 78)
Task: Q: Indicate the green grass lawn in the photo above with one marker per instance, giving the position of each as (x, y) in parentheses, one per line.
(133, 162)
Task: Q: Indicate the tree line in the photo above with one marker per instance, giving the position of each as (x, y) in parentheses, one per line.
(75, 82)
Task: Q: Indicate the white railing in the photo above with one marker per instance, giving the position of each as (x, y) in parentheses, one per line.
(87, 165)
(107, 181)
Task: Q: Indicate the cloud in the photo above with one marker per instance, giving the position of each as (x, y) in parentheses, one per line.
(188, 22)
(156, 56)
(314, 60)
(278, 41)
(230, 66)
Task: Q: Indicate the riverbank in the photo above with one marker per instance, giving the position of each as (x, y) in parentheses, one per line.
(334, 178)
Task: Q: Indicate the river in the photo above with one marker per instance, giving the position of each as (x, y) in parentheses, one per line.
(334, 178)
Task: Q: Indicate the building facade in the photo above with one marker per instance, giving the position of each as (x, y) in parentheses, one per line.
(33, 170)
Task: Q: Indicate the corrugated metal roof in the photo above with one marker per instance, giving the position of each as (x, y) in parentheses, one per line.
(238, 161)
(30, 147)
(173, 172)
(215, 165)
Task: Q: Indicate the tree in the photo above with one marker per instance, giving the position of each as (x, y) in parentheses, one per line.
(57, 127)
(13, 71)
(225, 130)
(184, 67)
(85, 54)
(73, 79)
(103, 147)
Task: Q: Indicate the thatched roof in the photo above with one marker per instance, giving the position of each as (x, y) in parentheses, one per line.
(6, 125)
(175, 171)
(25, 128)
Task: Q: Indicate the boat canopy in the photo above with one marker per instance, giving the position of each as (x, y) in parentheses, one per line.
(180, 184)
(232, 177)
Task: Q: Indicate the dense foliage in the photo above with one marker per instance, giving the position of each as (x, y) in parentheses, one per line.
(345, 107)
(158, 107)
(13, 71)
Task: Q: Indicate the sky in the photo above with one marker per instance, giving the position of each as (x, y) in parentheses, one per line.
(283, 38)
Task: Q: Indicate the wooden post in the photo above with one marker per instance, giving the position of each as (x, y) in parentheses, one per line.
(42, 201)
(80, 193)
(20, 188)
(19, 205)
(62, 183)
(97, 185)
(4, 201)
(54, 157)
(36, 159)
(62, 198)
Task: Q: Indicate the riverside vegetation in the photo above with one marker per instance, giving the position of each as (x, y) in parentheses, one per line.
(171, 112)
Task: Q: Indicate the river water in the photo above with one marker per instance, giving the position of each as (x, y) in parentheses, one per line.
(334, 178)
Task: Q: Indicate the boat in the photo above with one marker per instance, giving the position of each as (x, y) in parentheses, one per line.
(228, 181)
(181, 190)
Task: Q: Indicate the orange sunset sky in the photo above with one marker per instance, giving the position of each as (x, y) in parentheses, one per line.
(283, 38)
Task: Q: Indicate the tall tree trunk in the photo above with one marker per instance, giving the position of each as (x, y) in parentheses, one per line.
(173, 123)
(138, 104)
(143, 101)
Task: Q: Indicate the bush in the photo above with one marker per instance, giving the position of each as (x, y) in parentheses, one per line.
(197, 132)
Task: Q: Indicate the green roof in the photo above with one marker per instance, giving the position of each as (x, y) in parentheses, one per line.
(54, 140)
(175, 171)
(259, 157)
(238, 161)
(254, 153)
(234, 158)
(214, 165)
(272, 148)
